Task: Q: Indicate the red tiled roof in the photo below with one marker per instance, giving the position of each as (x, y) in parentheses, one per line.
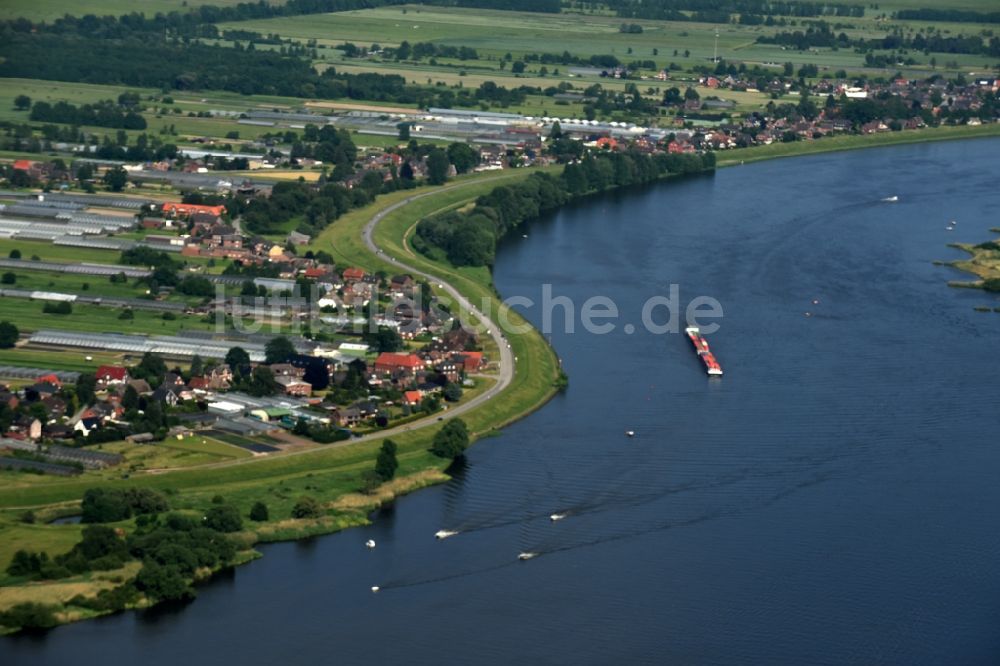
(191, 209)
(353, 274)
(412, 397)
(399, 360)
(51, 379)
(22, 165)
(115, 372)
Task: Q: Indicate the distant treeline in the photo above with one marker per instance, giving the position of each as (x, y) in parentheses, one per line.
(470, 238)
(407, 51)
(721, 11)
(196, 20)
(20, 137)
(544, 6)
(141, 63)
(947, 15)
(194, 66)
(820, 34)
(102, 114)
(567, 58)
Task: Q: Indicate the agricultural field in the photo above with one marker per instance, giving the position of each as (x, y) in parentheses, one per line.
(496, 33)
(47, 10)
(74, 360)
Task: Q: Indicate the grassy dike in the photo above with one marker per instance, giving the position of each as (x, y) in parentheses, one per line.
(853, 142)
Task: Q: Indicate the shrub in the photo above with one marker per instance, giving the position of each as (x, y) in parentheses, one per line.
(58, 307)
(223, 518)
(163, 583)
(108, 505)
(9, 334)
(386, 463)
(258, 512)
(29, 616)
(451, 440)
(307, 507)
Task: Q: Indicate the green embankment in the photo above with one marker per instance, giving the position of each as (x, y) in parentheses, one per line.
(853, 142)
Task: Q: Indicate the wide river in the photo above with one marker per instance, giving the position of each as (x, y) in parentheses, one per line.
(832, 499)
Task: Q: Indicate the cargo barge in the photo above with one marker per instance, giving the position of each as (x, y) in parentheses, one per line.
(712, 366)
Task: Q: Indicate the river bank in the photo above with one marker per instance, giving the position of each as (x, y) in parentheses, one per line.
(345, 469)
(854, 142)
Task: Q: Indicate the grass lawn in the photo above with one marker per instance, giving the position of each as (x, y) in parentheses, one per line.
(58, 359)
(58, 253)
(28, 316)
(58, 592)
(174, 453)
(93, 285)
(15, 536)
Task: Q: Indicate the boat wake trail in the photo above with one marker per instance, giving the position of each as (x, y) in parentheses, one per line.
(549, 548)
(404, 583)
(618, 498)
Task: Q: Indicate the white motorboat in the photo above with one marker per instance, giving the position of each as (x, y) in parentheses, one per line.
(370, 543)
(526, 555)
(444, 534)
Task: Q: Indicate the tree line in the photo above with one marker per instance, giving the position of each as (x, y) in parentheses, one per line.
(820, 34)
(722, 11)
(318, 205)
(470, 238)
(101, 114)
(149, 61)
(947, 15)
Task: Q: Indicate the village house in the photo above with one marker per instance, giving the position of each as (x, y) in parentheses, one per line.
(110, 375)
(389, 363)
(27, 426)
(175, 209)
(472, 361)
(450, 369)
(286, 370)
(294, 386)
(140, 386)
(85, 426)
(353, 275)
(168, 395)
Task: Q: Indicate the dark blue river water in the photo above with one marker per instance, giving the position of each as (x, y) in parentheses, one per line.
(832, 499)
